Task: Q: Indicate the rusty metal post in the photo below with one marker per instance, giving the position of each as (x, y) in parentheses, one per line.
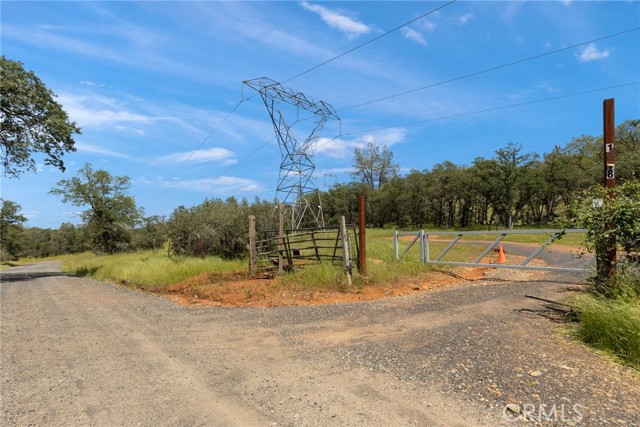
(253, 253)
(608, 139)
(362, 261)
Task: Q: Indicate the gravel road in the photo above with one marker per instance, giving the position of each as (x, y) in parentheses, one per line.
(76, 352)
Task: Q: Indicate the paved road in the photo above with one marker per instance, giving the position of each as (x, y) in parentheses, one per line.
(78, 352)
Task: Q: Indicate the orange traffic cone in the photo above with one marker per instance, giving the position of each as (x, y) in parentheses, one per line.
(501, 257)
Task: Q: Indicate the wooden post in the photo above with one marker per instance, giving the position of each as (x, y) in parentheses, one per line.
(253, 253)
(346, 261)
(362, 261)
(281, 247)
(609, 133)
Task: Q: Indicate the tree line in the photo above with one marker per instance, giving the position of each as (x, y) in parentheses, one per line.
(510, 188)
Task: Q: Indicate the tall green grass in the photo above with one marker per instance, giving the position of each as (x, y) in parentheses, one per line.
(611, 325)
(146, 269)
(156, 270)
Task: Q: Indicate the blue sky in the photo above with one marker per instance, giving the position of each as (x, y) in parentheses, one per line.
(151, 83)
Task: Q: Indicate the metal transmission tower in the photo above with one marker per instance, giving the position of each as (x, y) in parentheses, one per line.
(296, 187)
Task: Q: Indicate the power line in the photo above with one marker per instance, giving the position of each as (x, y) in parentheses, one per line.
(486, 110)
(488, 69)
(305, 72)
(370, 41)
(469, 113)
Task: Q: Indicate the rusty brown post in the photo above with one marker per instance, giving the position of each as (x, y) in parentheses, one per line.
(362, 261)
(609, 133)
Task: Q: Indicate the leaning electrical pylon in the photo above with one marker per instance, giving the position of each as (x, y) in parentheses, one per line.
(296, 186)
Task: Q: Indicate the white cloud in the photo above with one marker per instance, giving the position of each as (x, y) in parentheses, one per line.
(96, 111)
(341, 148)
(591, 53)
(414, 35)
(338, 20)
(547, 87)
(220, 186)
(30, 215)
(466, 18)
(215, 154)
(428, 25)
(566, 2)
(84, 147)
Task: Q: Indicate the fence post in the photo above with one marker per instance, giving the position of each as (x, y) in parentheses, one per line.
(395, 243)
(346, 262)
(426, 247)
(362, 258)
(422, 246)
(253, 253)
(280, 237)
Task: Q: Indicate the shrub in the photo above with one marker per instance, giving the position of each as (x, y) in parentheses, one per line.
(217, 227)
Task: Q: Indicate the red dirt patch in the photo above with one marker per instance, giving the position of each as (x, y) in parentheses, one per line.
(236, 290)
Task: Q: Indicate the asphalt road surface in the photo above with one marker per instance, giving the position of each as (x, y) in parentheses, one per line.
(76, 352)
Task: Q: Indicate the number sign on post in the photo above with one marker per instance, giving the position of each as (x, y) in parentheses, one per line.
(610, 255)
(609, 144)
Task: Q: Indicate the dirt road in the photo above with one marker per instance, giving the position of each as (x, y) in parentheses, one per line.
(78, 352)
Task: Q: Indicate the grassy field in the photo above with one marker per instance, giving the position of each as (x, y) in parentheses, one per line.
(155, 270)
(149, 269)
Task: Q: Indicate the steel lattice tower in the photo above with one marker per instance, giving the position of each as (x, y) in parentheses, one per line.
(296, 186)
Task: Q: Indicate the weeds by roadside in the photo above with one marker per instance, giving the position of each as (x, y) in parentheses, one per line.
(149, 269)
(611, 322)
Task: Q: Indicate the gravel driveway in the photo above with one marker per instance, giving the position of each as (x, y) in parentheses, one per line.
(76, 352)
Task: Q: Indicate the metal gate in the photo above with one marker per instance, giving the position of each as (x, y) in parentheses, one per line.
(423, 238)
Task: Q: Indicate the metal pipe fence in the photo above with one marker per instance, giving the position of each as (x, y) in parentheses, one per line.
(423, 239)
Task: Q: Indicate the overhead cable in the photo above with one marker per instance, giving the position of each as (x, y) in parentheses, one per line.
(489, 69)
(370, 41)
(486, 110)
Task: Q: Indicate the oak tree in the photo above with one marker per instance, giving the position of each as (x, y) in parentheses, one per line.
(31, 121)
(111, 213)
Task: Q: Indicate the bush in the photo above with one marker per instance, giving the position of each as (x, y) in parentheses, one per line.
(617, 220)
(217, 227)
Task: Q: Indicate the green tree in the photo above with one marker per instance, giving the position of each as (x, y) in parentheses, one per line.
(417, 187)
(342, 199)
(628, 150)
(11, 223)
(151, 234)
(32, 121)
(217, 227)
(111, 213)
(503, 181)
(374, 166)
